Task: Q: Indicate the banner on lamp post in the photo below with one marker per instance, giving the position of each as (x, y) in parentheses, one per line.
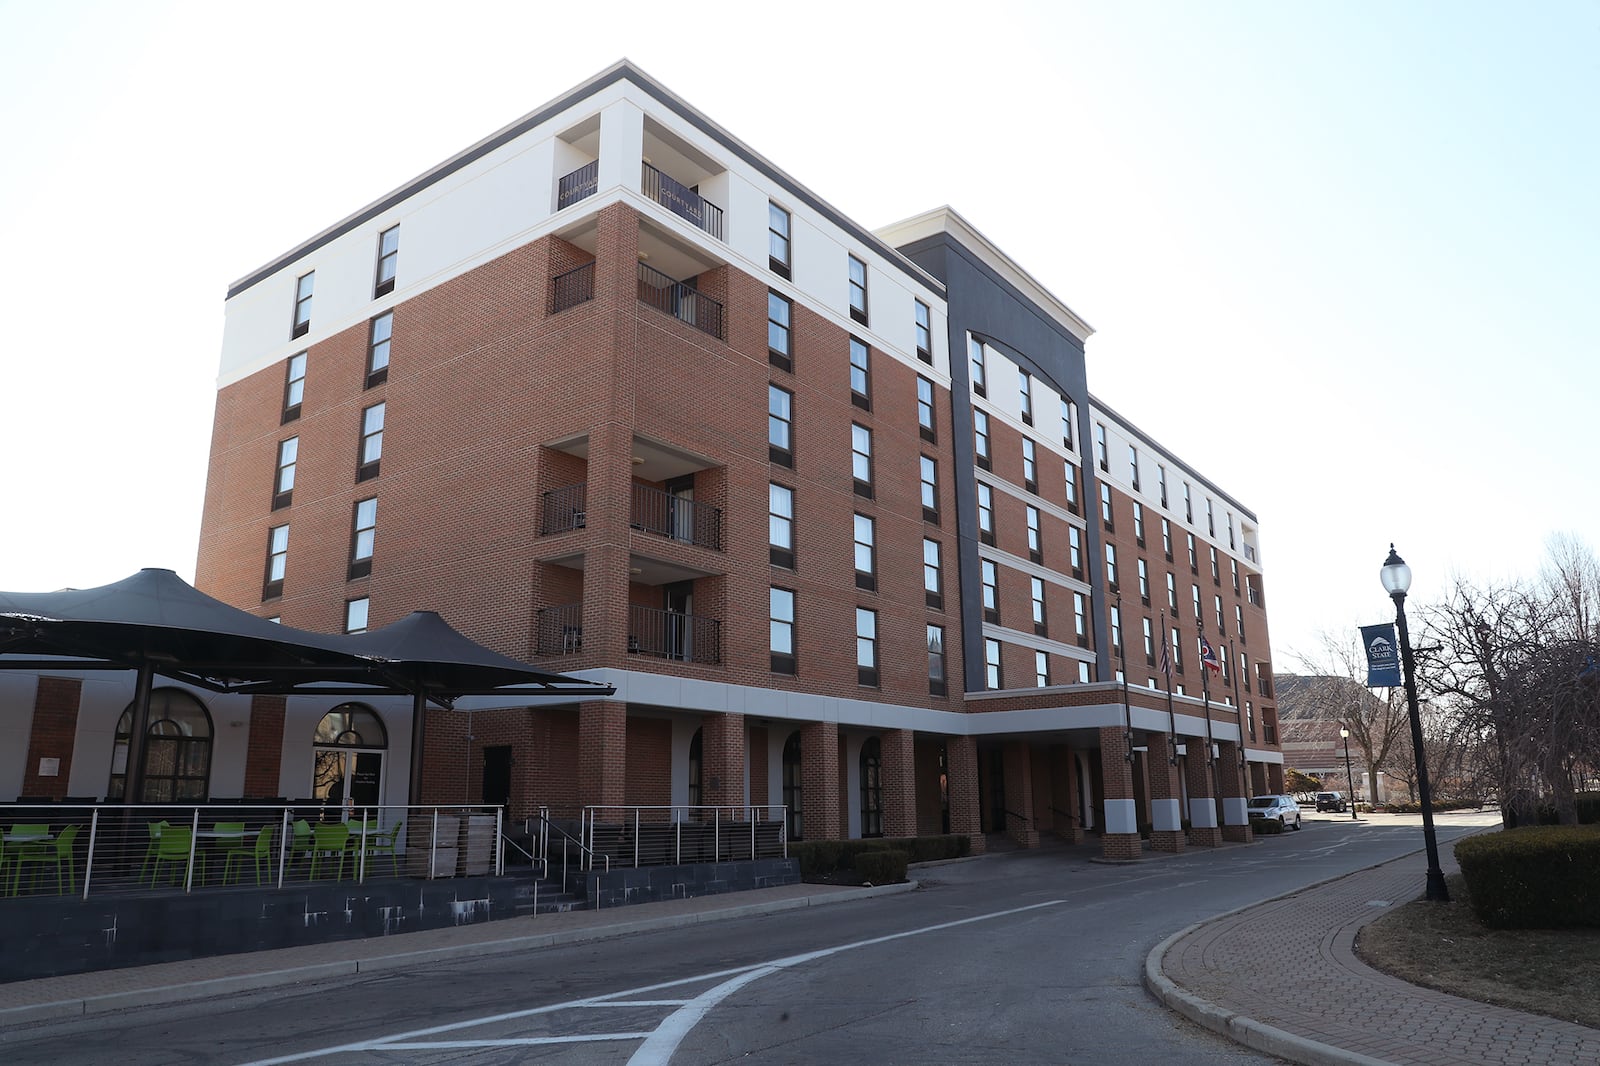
(1383, 655)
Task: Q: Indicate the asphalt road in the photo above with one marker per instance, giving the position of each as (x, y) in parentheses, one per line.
(1031, 957)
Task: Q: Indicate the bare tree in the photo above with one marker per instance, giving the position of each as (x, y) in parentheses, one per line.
(1334, 690)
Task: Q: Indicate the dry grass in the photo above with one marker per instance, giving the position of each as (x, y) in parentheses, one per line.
(1553, 972)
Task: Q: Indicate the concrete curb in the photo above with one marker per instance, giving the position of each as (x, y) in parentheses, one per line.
(219, 986)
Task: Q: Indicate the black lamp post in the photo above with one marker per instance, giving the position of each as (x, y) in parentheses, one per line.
(1396, 576)
(1349, 778)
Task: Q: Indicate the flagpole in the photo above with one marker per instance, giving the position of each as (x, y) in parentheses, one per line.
(1205, 696)
(1172, 715)
(1127, 711)
(1238, 707)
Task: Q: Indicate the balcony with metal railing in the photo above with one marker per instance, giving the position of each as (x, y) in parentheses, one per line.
(572, 288)
(669, 515)
(681, 200)
(564, 509)
(662, 634)
(578, 185)
(559, 630)
(680, 301)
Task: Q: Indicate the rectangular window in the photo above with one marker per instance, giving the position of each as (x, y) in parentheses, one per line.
(1177, 651)
(1188, 504)
(1085, 672)
(1166, 538)
(382, 328)
(302, 304)
(924, 332)
(1100, 446)
(1072, 487)
(388, 259)
(1075, 550)
(925, 423)
(1234, 565)
(932, 574)
(1030, 465)
(1211, 518)
(1149, 645)
(283, 482)
(936, 683)
(355, 615)
(1067, 414)
(777, 239)
(363, 532)
(1161, 481)
(1026, 393)
(991, 591)
(294, 387)
(1222, 625)
(780, 614)
(860, 374)
(1238, 621)
(1106, 515)
(861, 459)
(1133, 467)
(1035, 544)
(1041, 669)
(1144, 583)
(985, 513)
(277, 561)
(991, 663)
(1138, 522)
(1195, 596)
(1111, 567)
(1232, 544)
(1116, 631)
(930, 490)
(980, 374)
(866, 647)
(1216, 567)
(858, 290)
(1172, 593)
(1194, 558)
(780, 524)
(371, 442)
(980, 438)
(780, 426)
(1037, 591)
(780, 352)
(866, 553)
(1080, 618)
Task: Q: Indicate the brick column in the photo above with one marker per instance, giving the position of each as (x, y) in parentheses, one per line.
(1275, 778)
(961, 765)
(52, 736)
(1166, 801)
(1258, 779)
(819, 781)
(722, 758)
(1067, 774)
(602, 753)
(898, 748)
(1203, 830)
(263, 760)
(1119, 836)
(1230, 778)
(1019, 795)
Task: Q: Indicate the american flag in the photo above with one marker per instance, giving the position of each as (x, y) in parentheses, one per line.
(1166, 663)
(1208, 657)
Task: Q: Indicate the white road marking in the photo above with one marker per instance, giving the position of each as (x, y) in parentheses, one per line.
(660, 1043)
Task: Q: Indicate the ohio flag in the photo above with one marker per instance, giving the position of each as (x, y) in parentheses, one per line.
(1208, 657)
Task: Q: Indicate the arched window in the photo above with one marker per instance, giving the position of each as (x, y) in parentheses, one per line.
(791, 785)
(177, 749)
(348, 746)
(694, 769)
(871, 789)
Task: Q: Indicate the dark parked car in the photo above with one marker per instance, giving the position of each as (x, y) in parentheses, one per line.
(1330, 801)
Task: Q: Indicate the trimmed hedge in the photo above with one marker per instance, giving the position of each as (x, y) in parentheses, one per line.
(884, 867)
(1265, 826)
(1535, 877)
(1587, 803)
(819, 857)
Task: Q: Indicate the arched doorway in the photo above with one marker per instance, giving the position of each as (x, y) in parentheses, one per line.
(177, 749)
(348, 751)
(871, 788)
(696, 759)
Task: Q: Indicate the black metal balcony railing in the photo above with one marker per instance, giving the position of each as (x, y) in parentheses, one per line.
(689, 638)
(574, 287)
(1269, 732)
(672, 516)
(682, 201)
(559, 630)
(680, 301)
(564, 509)
(579, 185)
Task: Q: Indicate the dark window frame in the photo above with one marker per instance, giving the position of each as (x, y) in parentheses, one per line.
(783, 454)
(272, 587)
(858, 310)
(283, 496)
(780, 266)
(377, 375)
(782, 358)
(304, 289)
(361, 564)
(293, 398)
(388, 262)
(367, 469)
(861, 396)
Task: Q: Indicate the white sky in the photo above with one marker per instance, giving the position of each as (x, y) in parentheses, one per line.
(1342, 258)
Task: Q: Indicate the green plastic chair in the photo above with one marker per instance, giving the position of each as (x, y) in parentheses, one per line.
(51, 852)
(173, 847)
(385, 844)
(327, 841)
(258, 853)
(150, 852)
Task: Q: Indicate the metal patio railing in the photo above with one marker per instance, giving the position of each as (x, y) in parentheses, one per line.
(676, 835)
(60, 848)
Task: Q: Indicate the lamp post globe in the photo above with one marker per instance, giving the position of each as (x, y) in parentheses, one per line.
(1396, 578)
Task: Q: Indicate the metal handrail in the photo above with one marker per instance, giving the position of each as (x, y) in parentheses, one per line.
(721, 821)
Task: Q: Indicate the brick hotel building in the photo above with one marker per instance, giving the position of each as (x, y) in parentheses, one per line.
(834, 510)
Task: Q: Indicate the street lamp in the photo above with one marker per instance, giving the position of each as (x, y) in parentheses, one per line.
(1349, 779)
(1396, 577)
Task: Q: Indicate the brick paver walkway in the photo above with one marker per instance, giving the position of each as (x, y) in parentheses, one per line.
(1290, 965)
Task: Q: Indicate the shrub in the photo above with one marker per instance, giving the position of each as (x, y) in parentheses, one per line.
(816, 856)
(1535, 877)
(1266, 826)
(882, 866)
(821, 857)
(1587, 803)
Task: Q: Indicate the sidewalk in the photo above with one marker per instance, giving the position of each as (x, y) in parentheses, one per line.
(23, 1002)
(1282, 977)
